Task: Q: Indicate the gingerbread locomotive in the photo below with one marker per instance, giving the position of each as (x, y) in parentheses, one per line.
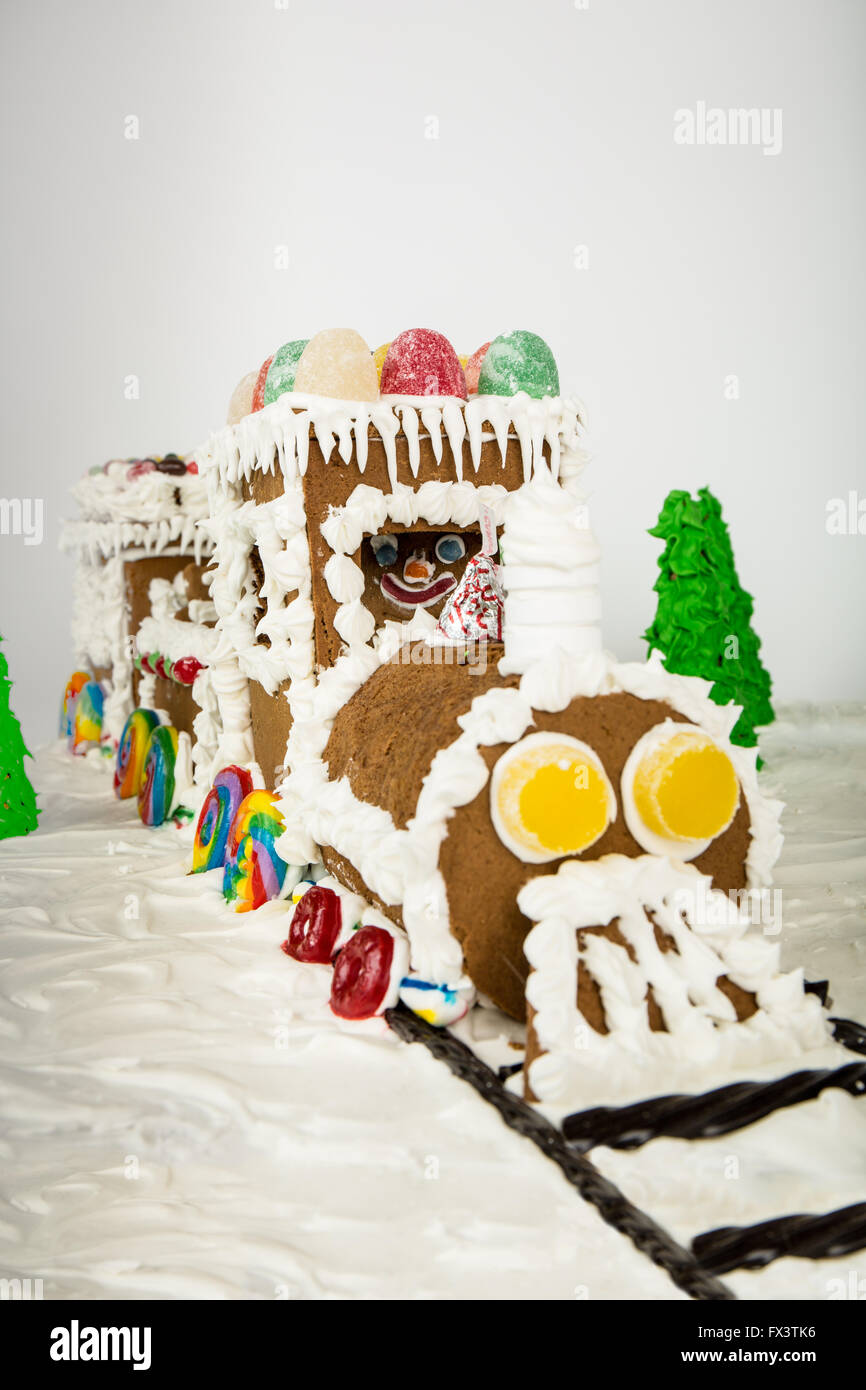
(416, 734)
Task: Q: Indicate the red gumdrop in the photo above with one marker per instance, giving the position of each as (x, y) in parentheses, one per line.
(316, 925)
(362, 973)
(186, 669)
(259, 388)
(420, 362)
(159, 667)
(146, 667)
(192, 466)
(473, 368)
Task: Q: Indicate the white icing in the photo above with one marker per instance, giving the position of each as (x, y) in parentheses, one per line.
(712, 935)
(235, 741)
(207, 728)
(147, 690)
(149, 499)
(278, 530)
(185, 793)
(281, 432)
(549, 574)
(175, 639)
(345, 579)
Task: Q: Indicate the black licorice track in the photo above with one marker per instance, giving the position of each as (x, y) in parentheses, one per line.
(808, 1237)
(680, 1264)
(718, 1112)
(681, 1116)
(705, 1116)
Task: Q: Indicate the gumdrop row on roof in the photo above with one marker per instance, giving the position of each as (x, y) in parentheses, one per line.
(420, 362)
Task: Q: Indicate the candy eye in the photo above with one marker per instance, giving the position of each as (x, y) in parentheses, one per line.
(549, 797)
(449, 549)
(680, 790)
(384, 549)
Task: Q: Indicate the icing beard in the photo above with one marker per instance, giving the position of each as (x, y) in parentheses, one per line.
(418, 569)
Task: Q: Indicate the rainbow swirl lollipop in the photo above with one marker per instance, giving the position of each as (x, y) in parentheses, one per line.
(87, 718)
(74, 686)
(217, 813)
(254, 872)
(131, 750)
(156, 788)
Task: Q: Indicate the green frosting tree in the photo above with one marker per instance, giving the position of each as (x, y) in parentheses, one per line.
(18, 809)
(703, 622)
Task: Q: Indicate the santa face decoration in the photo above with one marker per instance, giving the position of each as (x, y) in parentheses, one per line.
(418, 569)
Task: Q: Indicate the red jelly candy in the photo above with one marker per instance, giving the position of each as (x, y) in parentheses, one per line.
(192, 466)
(316, 925)
(362, 973)
(420, 362)
(259, 388)
(138, 468)
(186, 669)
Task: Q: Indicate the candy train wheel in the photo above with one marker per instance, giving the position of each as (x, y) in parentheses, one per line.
(156, 789)
(219, 809)
(367, 973)
(316, 925)
(254, 871)
(74, 686)
(132, 750)
(87, 718)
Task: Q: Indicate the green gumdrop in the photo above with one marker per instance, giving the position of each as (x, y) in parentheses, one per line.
(281, 373)
(518, 361)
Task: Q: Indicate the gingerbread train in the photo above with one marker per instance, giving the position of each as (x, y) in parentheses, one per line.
(406, 575)
(408, 725)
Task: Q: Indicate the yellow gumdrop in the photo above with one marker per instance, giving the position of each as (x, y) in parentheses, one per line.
(379, 358)
(337, 363)
(686, 788)
(552, 799)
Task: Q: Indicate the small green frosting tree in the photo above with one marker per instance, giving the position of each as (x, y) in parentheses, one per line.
(703, 624)
(18, 809)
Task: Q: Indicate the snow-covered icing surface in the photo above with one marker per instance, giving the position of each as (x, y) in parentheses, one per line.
(183, 1117)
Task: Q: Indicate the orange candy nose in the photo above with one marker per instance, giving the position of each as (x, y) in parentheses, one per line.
(417, 569)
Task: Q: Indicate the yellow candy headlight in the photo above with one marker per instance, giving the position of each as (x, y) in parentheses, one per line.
(550, 797)
(679, 790)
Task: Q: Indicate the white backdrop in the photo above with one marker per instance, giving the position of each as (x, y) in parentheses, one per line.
(471, 167)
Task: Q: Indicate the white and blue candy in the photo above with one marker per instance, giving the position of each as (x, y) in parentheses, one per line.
(438, 1004)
